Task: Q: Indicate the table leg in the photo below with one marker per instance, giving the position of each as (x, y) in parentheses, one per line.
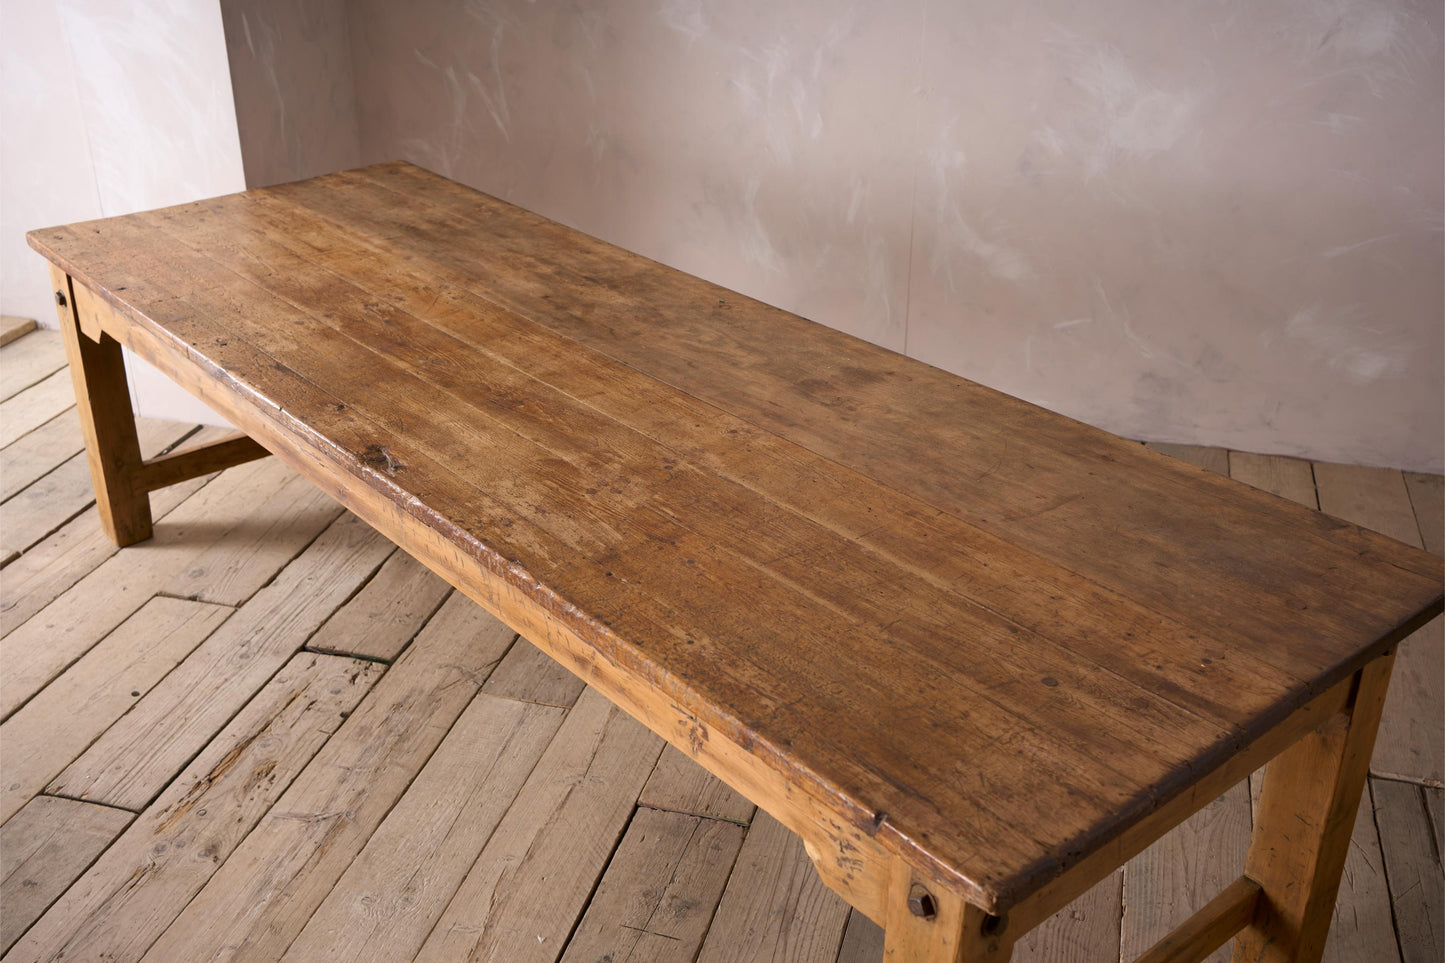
(1302, 829)
(107, 421)
(927, 924)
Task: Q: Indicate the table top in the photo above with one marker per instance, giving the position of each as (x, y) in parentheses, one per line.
(990, 634)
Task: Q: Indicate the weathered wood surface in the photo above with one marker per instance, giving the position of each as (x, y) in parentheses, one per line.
(655, 902)
(43, 849)
(1412, 859)
(78, 548)
(1212, 926)
(385, 614)
(100, 688)
(1303, 824)
(34, 406)
(529, 674)
(176, 846)
(1086, 931)
(262, 898)
(1177, 876)
(13, 328)
(680, 785)
(531, 882)
(391, 896)
(51, 501)
(204, 543)
(29, 361)
(775, 907)
(626, 456)
(1412, 739)
(129, 765)
(34, 454)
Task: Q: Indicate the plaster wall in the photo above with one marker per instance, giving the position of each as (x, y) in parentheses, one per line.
(109, 108)
(1216, 221)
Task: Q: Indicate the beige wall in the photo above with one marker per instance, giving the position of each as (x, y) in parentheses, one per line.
(108, 108)
(1215, 221)
(294, 87)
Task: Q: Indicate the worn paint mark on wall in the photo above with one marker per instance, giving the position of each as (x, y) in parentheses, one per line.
(1344, 337)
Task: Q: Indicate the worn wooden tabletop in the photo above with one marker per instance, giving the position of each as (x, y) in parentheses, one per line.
(985, 634)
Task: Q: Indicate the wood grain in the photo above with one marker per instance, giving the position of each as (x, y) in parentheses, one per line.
(1291, 478)
(680, 785)
(39, 452)
(29, 361)
(259, 901)
(1085, 931)
(134, 759)
(391, 896)
(382, 618)
(619, 460)
(13, 328)
(78, 550)
(530, 884)
(33, 407)
(1210, 459)
(65, 492)
(1412, 860)
(1210, 927)
(133, 892)
(775, 906)
(194, 461)
(1302, 829)
(102, 400)
(1167, 883)
(528, 673)
(1412, 741)
(96, 691)
(53, 638)
(43, 849)
(656, 900)
(862, 940)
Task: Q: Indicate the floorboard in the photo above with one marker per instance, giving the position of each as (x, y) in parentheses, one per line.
(142, 882)
(43, 849)
(389, 899)
(335, 757)
(61, 494)
(139, 755)
(775, 906)
(656, 900)
(97, 691)
(13, 328)
(29, 361)
(1412, 860)
(1411, 743)
(38, 452)
(532, 881)
(386, 613)
(1179, 874)
(33, 407)
(262, 898)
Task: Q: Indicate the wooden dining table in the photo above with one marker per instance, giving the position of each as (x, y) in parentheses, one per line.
(975, 653)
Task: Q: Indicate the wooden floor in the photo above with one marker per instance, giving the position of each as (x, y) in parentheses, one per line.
(267, 734)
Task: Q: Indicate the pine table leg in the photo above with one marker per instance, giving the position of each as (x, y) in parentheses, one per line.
(928, 925)
(1302, 830)
(107, 421)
